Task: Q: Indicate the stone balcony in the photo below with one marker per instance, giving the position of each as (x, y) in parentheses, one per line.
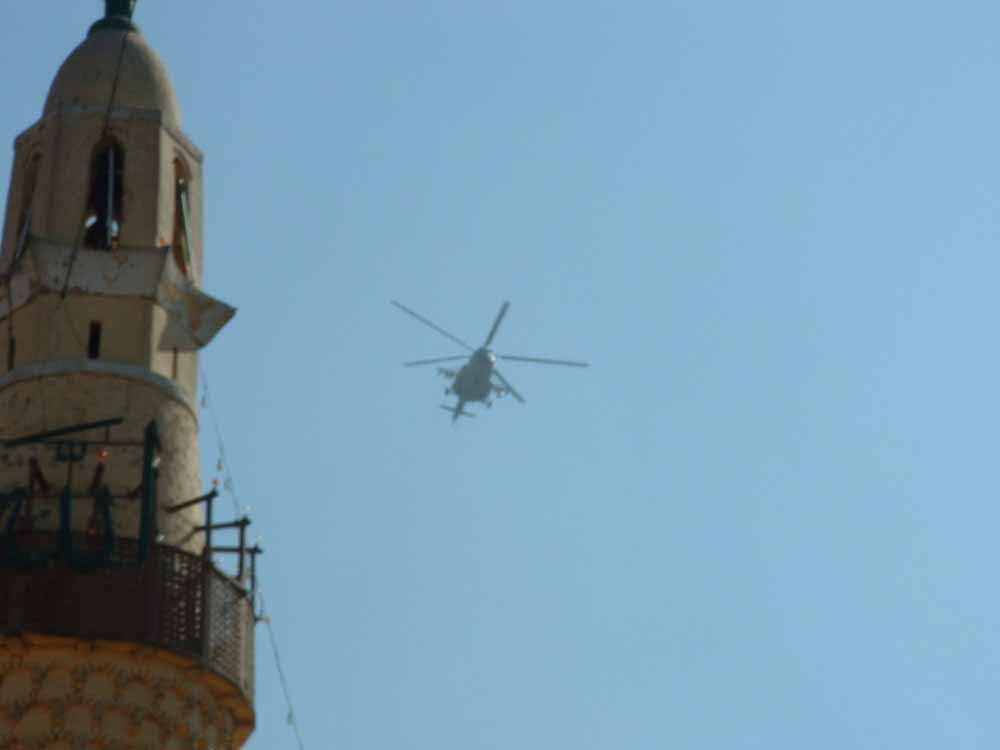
(171, 601)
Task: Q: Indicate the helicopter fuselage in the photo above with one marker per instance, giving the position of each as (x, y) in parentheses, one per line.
(474, 381)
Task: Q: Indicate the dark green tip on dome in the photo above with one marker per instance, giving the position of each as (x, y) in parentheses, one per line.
(117, 15)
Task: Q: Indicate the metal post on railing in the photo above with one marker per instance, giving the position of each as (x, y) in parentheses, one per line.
(209, 504)
(243, 550)
(206, 605)
(254, 551)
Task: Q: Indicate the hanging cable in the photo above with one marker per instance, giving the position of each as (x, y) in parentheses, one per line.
(227, 484)
(114, 84)
(9, 278)
(104, 133)
(11, 341)
(20, 246)
(292, 721)
(230, 488)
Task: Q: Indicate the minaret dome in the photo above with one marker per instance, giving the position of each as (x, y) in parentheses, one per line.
(86, 77)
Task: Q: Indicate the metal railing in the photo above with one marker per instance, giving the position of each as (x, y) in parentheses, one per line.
(172, 600)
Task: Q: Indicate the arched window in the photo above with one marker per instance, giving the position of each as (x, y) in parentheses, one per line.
(182, 218)
(104, 202)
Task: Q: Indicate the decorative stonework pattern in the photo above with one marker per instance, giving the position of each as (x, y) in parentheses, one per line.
(61, 694)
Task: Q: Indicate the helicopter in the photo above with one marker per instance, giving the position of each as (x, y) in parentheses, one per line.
(474, 381)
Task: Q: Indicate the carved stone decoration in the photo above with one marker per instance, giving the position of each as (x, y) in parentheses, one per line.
(78, 696)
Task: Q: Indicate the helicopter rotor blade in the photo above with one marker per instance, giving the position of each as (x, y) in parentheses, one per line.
(496, 324)
(419, 362)
(508, 386)
(541, 361)
(437, 328)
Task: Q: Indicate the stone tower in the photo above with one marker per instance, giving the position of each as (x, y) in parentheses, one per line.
(116, 629)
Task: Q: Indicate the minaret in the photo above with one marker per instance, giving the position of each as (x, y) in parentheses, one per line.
(116, 629)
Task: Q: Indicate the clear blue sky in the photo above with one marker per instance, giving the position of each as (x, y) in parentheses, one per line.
(765, 518)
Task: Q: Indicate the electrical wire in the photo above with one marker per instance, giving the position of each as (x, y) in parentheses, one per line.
(230, 488)
(227, 485)
(114, 84)
(20, 245)
(61, 305)
(11, 341)
(106, 130)
(292, 721)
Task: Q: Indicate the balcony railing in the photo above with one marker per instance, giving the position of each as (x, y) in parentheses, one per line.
(174, 600)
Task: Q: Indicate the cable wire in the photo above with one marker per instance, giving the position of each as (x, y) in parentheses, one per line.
(106, 130)
(230, 488)
(114, 84)
(292, 721)
(227, 485)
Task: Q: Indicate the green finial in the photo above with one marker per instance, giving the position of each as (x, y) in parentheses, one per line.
(119, 8)
(117, 15)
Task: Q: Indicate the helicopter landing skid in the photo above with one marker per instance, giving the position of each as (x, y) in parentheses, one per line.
(451, 410)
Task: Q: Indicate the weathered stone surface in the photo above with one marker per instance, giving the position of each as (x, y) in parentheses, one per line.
(49, 401)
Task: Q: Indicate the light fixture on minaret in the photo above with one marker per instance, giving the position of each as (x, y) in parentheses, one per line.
(106, 571)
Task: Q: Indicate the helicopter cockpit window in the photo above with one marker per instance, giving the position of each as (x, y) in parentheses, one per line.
(102, 227)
